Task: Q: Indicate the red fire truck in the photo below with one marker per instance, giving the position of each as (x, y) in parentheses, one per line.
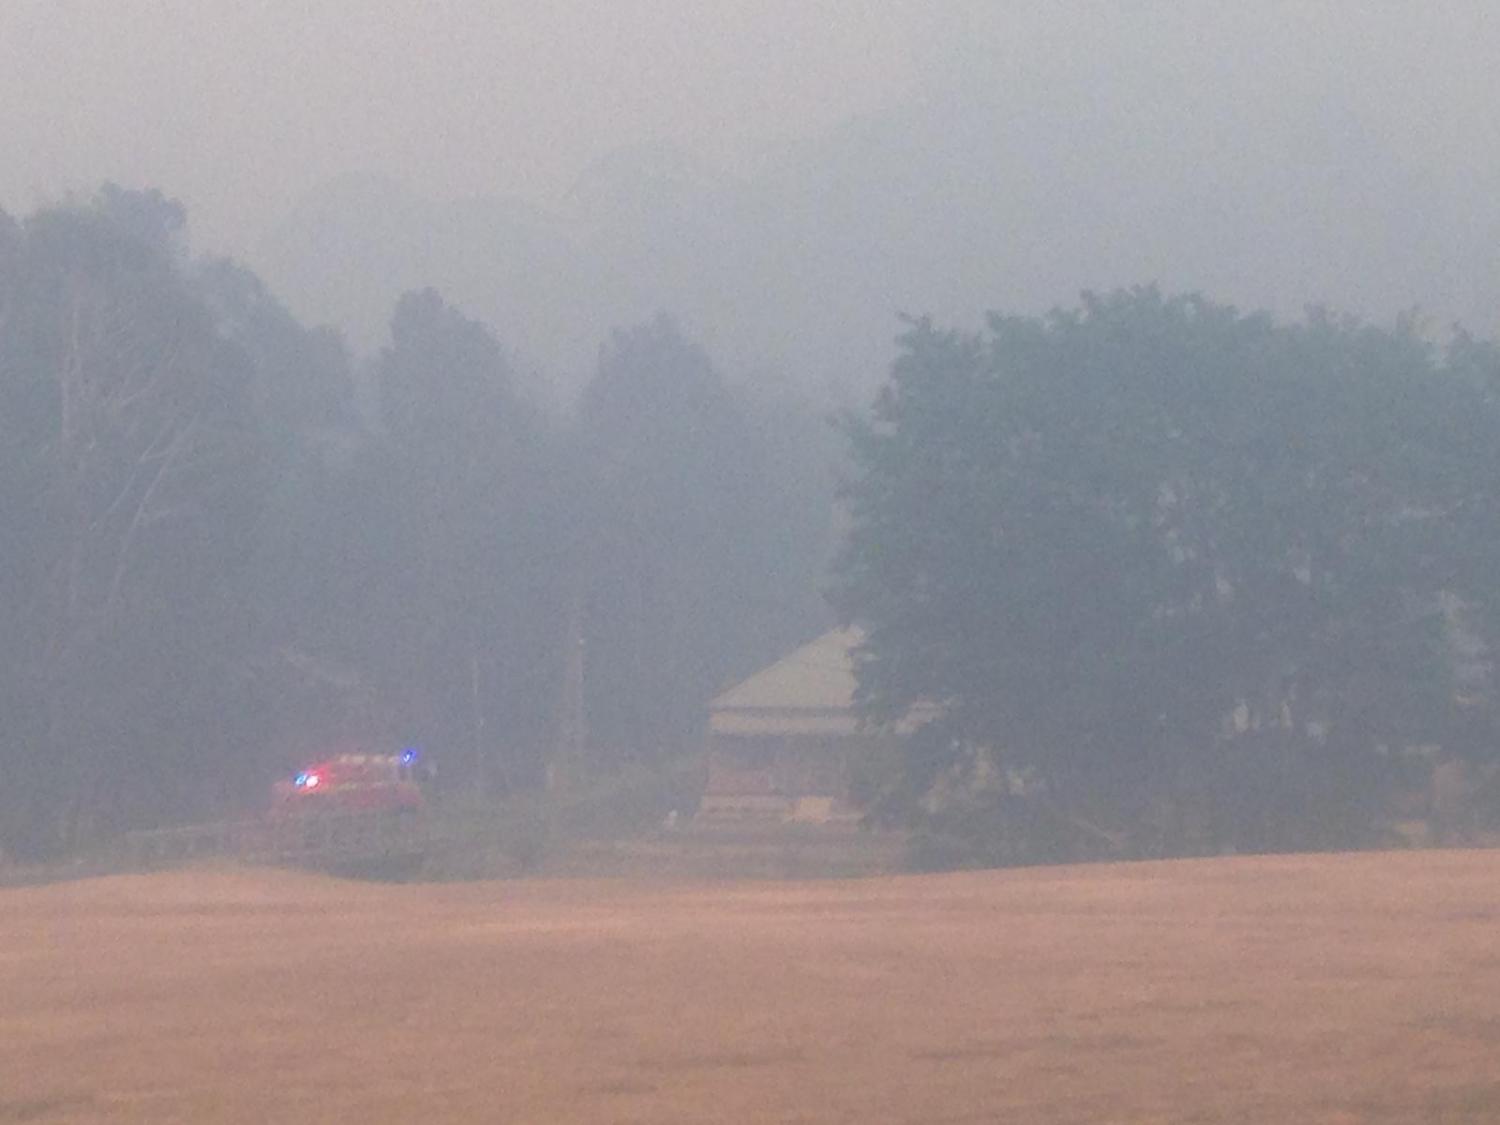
(354, 783)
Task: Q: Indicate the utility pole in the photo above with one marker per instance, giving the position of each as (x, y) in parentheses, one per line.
(477, 710)
(572, 729)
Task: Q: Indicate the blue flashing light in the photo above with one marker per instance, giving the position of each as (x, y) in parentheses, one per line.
(409, 755)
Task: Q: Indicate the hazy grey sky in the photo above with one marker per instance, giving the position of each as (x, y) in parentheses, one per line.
(240, 108)
(1272, 152)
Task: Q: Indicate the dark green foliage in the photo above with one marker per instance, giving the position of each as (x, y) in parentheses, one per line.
(703, 541)
(1152, 549)
(131, 488)
(214, 567)
(453, 592)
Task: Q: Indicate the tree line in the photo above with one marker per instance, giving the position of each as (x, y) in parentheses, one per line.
(225, 543)
(1152, 574)
(1162, 576)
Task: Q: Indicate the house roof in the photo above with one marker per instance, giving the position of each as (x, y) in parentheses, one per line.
(810, 691)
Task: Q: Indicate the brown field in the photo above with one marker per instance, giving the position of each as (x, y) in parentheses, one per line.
(1311, 989)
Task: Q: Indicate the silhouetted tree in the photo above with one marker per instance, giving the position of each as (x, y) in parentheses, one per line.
(130, 471)
(452, 584)
(705, 539)
(1152, 547)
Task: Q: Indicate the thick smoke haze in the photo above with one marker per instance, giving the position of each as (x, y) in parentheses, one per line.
(784, 177)
(550, 550)
(243, 109)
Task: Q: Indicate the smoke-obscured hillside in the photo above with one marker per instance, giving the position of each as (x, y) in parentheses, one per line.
(797, 261)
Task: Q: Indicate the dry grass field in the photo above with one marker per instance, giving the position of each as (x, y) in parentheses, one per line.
(1320, 989)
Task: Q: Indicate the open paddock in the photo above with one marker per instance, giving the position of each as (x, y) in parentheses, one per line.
(1354, 988)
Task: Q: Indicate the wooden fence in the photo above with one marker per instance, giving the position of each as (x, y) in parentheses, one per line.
(324, 840)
